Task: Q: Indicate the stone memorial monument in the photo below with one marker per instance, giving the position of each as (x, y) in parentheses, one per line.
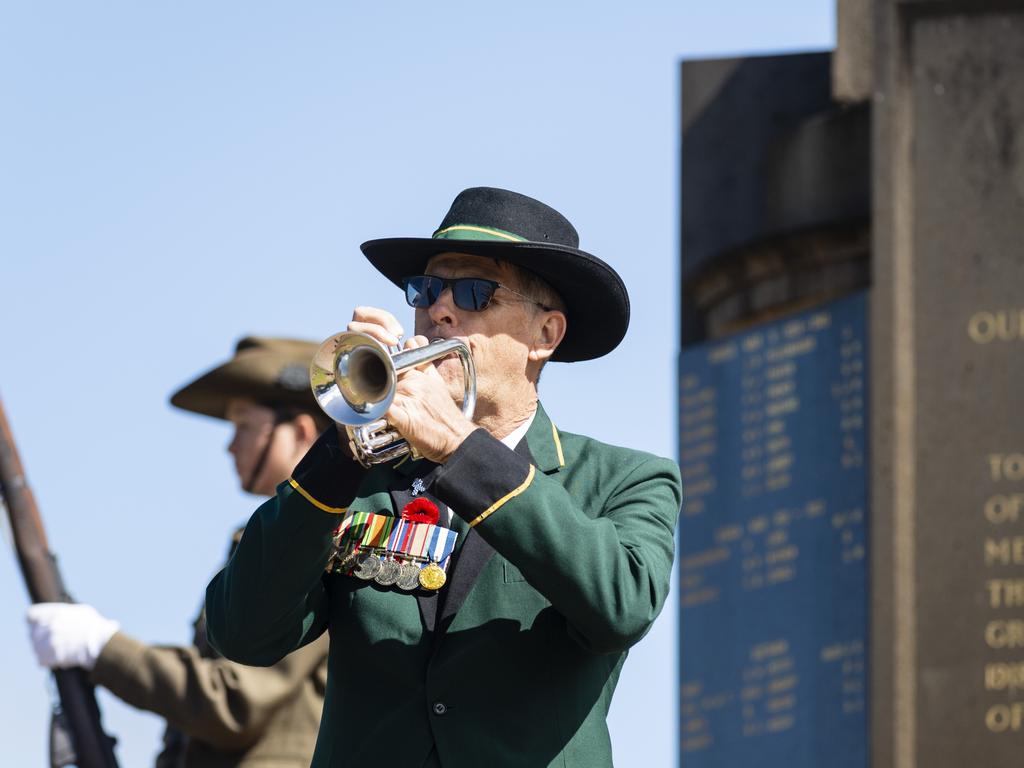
(852, 546)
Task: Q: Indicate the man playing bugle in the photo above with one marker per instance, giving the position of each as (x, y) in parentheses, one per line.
(220, 714)
(480, 600)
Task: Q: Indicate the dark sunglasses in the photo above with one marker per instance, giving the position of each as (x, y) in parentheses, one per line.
(472, 294)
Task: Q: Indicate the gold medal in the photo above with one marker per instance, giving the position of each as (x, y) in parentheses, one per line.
(432, 577)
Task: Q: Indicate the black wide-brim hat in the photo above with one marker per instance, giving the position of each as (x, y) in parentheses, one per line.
(496, 223)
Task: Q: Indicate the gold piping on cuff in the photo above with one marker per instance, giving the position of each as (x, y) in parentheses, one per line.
(314, 502)
(558, 445)
(507, 497)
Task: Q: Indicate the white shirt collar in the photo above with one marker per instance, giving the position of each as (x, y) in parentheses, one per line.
(512, 439)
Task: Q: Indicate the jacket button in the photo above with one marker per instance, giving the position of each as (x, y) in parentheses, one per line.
(440, 708)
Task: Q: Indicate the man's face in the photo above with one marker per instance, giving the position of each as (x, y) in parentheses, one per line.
(254, 425)
(500, 336)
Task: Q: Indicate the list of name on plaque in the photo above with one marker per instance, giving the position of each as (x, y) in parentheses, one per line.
(773, 544)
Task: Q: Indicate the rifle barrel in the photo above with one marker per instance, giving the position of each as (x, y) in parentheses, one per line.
(93, 747)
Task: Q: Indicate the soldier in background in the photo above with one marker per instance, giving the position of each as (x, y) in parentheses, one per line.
(219, 713)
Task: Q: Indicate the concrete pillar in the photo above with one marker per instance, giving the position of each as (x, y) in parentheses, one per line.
(947, 428)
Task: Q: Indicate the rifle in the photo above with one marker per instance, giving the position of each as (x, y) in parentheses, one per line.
(90, 746)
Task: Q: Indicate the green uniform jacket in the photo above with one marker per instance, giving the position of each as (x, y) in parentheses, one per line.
(220, 714)
(563, 564)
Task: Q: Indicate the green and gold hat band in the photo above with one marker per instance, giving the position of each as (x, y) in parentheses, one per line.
(475, 232)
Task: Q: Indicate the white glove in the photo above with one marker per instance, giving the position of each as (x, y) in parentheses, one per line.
(68, 634)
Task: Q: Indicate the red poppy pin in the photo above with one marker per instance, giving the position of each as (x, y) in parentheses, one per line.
(421, 510)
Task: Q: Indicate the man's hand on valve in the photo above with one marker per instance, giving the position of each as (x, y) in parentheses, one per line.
(423, 410)
(424, 413)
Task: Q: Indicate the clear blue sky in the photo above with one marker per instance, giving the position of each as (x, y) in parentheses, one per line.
(176, 175)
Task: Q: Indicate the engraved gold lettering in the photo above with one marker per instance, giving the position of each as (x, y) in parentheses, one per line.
(703, 397)
(769, 649)
(698, 434)
(985, 327)
(783, 723)
(1004, 677)
(780, 463)
(1009, 550)
(780, 371)
(690, 471)
(700, 597)
(781, 574)
(782, 684)
(707, 413)
(728, 534)
(782, 407)
(1005, 717)
(716, 702)
(758, 524)
(753, 342)
(691, 580)
(784, 555)
(1005, 633)
(780, 703)
(702, 487)
(778, 482)
(782, 389)
(696, 724)
(1004, 508)
(751, 693)
(820, 321)
(1005, 593)
(792, 349)
(705, 558)
(839, 651)
(697, 743)
(1006, 466)
(722, 354)
(794, 328)
(699, 451)
(815, 508)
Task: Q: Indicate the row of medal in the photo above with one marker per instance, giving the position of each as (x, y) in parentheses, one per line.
(393, 552)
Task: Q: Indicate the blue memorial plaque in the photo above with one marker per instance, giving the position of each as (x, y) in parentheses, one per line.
(772, 563)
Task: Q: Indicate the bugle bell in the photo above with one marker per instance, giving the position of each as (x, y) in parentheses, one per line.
(354, 376)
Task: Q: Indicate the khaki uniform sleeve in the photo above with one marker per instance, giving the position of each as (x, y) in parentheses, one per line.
(224, 704)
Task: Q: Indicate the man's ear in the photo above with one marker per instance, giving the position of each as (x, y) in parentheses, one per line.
(550, 332)
(305, 429)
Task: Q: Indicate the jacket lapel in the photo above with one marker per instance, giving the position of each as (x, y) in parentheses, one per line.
(408, 472)
(544, 443)
(542, 448)
(427, 602)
